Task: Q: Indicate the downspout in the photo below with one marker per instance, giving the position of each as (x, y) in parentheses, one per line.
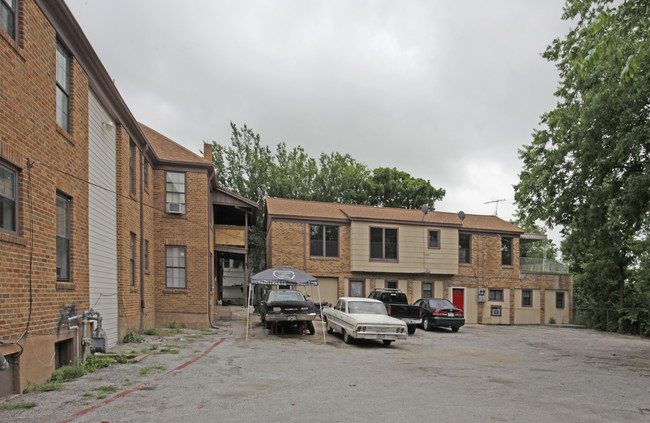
(142, 153)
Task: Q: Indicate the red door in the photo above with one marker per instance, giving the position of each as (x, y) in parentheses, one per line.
(458, 298)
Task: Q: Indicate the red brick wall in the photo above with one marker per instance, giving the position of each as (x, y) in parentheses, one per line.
(190, 230)
(28, 129)
(131, 315)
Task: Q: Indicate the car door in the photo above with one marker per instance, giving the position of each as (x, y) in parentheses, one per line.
(337, 315)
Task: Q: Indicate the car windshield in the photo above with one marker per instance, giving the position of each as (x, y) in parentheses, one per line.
(366, 307)
(440, 304)
(279, 295)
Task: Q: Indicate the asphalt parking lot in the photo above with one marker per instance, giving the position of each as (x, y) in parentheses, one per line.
(481, 373)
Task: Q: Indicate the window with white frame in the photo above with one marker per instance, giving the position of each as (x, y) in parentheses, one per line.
(62, 87)
(8, 198)
(175, 192)
(527, 298)
(175, 265)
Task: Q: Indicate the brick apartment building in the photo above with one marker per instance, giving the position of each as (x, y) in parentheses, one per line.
(96, 210)
(473, 262)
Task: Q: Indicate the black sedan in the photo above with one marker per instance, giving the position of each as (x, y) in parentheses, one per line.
(437, 312)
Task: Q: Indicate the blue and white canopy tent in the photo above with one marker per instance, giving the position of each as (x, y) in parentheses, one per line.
(281, 277)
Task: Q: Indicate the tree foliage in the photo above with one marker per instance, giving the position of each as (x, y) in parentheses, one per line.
(249, 168)
(539, 249)
(588, 168)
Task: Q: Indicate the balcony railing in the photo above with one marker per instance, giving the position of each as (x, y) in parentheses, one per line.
(538, 265)
(230, 235)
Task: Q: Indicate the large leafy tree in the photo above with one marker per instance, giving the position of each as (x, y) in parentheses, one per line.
(588, 169)
(394, 188)
(249, 168)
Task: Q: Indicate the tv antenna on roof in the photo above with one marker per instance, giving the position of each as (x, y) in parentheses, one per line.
(496, 210)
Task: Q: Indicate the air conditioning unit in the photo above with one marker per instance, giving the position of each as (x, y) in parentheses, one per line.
(496, 312)
(174, 208)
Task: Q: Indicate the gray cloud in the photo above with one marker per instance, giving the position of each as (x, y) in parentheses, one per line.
(445, 90)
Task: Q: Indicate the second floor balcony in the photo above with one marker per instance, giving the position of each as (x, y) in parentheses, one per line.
(230, 235)
(539, 265)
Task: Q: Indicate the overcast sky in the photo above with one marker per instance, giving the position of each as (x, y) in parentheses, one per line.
(446, 90)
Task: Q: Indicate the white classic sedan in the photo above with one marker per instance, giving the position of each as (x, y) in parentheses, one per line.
(363, 318)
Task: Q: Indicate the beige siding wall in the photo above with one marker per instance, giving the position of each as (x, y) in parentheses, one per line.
(528, 315)
(414, 256)
(561, 315)
(504, 319)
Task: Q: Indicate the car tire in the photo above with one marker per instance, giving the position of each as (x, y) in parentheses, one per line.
(411, 329)
(455, 328)
(310, 327)
(387, 342)
(347, 338)
(267, 324)
(426, 324)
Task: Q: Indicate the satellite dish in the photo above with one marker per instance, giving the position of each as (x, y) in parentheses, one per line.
(461, 215)
(425, 209)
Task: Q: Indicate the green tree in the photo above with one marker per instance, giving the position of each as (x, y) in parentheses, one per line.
(393, 188)
(587, 169)
(539, 249)
(248, 167)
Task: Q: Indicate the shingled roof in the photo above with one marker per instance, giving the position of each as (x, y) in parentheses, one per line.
(167, 149)
(298, 209)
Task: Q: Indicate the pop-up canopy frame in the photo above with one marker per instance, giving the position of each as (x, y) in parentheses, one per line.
(282, 277)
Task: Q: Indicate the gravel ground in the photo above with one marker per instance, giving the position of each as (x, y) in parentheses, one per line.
(481, 373)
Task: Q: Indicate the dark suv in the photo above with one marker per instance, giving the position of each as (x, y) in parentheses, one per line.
(285, 307)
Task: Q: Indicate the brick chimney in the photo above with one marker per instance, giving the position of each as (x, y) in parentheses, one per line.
(207, 151)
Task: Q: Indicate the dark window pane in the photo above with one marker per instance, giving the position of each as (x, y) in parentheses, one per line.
(376, 243)
(559, 300)
(464, 241)
(391, 244)
(7, 199)
(331, 241)
(506, 251)
(526, 298)
(427, 290)
(316, 240)
(495, 295)
(7, 17)
(434, 239)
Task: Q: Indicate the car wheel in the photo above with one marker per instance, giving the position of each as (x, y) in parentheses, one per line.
(347, 338)
(267, 324)
(387, 342)
(455, 328)
(310, 327)
(426, 325)
(411, 329)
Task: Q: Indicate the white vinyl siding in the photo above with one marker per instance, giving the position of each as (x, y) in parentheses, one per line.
(102, 218)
